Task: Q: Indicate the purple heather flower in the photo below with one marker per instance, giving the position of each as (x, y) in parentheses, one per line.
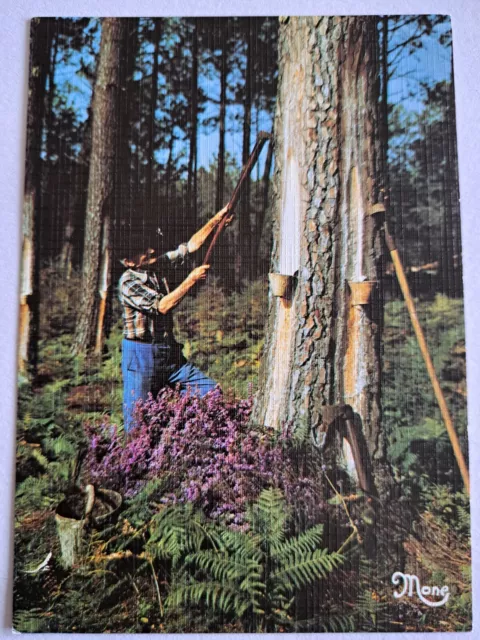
(207, 452)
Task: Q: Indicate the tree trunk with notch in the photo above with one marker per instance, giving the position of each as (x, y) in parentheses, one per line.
(40, 46)
(320, 348)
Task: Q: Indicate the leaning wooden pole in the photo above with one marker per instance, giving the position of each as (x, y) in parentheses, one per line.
(422, 343)
(262, 138)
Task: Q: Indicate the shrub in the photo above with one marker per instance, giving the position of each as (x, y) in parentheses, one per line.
(419, 448)
(205, 452)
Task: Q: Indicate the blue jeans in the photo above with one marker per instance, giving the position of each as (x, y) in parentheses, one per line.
(147, 368)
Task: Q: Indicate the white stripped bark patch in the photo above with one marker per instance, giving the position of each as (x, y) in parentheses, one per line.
(356, 201)
(355, 373)
(289, 247)
(281, 363)
(288, 258)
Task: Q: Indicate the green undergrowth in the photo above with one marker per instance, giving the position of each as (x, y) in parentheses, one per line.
(143, 576)
(419, 448)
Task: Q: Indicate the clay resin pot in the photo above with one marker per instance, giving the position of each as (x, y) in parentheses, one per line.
(361, 292)
(281, 285)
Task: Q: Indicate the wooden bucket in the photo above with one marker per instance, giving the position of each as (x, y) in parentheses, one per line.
(75, 512)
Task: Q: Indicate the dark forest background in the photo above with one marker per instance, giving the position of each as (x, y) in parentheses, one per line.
(193, 95)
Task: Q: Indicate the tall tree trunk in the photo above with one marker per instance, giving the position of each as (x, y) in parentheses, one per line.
(124, 210)
(222, 124)
(244, 262)
(54, 212)
(191, 180)
(101, 175)
(104, 282)
(384, 102)
(49, 118)
(169, 167)
(122, 198)
(40, 46)
(450, 256)
(453, 188)
(66, 252)
(152, 119)
(320, 347)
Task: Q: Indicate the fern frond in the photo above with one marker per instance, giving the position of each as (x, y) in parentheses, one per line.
(35, 493)
(179, 530)
(308, 567)
(224, 567)
(60, 446)
(25, 451)
(243, 545)
(268, 517)
(216, 595)
(31, 620)
(330, 624)
(307, 541)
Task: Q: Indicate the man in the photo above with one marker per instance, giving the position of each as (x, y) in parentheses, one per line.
(151, 358)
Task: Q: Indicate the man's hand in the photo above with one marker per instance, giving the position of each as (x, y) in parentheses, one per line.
(173, 298)
(222, 213)
(202, 234)
(200, 273)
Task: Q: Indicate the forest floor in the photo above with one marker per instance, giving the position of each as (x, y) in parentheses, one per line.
(222, 334)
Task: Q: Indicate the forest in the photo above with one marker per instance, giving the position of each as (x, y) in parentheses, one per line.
(239, 511)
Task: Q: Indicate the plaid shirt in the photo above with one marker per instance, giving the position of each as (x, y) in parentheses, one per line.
(140, 293)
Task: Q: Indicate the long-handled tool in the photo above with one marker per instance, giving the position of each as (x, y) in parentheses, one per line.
(343, 416)
(402, 280)
(262, 138)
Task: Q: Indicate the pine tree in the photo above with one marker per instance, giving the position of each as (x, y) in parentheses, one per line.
(101, 180)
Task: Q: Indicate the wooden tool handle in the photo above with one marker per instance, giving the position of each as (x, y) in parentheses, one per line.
(422, 343)
(263, 136)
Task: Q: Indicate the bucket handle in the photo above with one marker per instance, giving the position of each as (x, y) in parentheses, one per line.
(90, 491)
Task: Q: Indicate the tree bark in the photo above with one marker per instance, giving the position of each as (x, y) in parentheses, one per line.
(222, 125)
(49, 119)
(451, 171)
(384, 101)
(126, 170)
(66, 252)
(40, 46)
(104, 282)
(451, 255)
(245, 262)
(320, 348)
(191, 180)
(101, 176)
(152, 119)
